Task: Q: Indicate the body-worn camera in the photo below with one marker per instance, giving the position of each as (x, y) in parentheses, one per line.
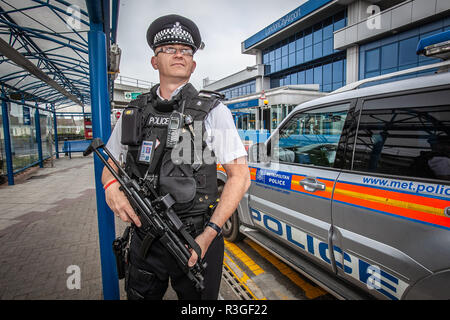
(131, 120)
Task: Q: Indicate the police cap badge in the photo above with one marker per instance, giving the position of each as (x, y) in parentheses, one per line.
(174, 29)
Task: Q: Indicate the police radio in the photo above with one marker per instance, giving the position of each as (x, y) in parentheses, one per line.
(174, 128)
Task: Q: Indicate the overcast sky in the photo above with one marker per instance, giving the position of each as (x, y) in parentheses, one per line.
(223, 25)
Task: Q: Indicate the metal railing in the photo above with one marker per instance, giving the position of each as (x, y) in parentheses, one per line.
(129, 81)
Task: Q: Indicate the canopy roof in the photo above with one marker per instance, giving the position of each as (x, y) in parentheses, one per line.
(44, 51)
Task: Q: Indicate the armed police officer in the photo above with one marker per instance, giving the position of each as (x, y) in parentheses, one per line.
(147, 136)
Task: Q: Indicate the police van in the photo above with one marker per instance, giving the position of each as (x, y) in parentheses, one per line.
(353, 189)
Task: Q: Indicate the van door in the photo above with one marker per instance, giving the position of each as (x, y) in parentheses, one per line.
(389, 209)
(290, 198)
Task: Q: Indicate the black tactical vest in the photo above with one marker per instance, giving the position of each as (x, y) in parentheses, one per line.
(193, 186)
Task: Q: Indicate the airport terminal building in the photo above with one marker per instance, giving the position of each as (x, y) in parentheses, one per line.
(323, 45)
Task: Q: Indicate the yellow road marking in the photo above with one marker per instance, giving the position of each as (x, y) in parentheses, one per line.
(311, 291)
(241, 255)
(243, 278)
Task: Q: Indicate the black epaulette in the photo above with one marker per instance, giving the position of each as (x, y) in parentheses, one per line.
(140, 101)
(212, 94)
(204, 102)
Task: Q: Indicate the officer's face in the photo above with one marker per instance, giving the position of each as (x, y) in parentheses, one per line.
(173, 65)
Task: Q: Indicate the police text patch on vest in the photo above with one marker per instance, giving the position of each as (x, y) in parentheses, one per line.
(155, 120)
(146, 151)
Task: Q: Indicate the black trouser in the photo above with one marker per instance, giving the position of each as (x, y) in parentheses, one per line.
(148, 278)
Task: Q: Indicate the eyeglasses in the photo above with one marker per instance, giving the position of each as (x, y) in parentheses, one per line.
(172, 50)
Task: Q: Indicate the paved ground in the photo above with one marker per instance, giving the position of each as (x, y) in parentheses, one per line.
(48, 222)
(48, 229)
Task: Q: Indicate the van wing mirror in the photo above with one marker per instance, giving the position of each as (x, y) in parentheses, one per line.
(258, 153)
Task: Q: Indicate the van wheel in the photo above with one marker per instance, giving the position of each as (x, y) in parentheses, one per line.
(230, 229)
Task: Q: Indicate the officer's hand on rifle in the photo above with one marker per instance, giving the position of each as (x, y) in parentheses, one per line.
(237, 184)
(203, 240)
(120, 205)
(116, 199)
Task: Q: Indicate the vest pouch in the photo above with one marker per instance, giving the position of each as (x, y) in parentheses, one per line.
(131, 126)
(179, 181)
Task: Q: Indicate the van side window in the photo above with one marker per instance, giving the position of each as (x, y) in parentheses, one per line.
(406, 136)
(310, 137)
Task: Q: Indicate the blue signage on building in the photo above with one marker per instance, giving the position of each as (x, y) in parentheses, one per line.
(285, 21)
(26, 116)
(243, 104)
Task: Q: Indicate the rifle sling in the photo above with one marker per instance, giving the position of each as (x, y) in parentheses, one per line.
(191, 242)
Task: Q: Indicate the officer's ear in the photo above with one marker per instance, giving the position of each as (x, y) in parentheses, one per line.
(154, 62)
(194, 65)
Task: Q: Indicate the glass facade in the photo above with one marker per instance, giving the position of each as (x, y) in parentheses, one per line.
(46, 133)
(22, 130)
(398, 52)
(330, 74)
(307, 45)
(269, 117)
(308, 57)
(277, 113)
(240, 89)
(245, 118)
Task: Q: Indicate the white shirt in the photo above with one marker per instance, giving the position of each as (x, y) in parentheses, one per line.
(222, 136)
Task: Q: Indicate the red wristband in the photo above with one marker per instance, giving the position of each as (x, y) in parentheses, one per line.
(109, 183)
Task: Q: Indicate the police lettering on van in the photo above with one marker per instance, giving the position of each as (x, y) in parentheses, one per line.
(375, 278)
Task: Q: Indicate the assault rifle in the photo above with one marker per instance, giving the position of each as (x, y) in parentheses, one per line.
(162, 224)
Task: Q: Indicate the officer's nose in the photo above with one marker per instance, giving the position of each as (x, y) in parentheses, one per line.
(178, 54)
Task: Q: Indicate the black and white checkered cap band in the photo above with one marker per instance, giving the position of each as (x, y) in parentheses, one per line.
(176, 33)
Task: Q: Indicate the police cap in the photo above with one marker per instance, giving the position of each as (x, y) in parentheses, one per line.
(174, 29)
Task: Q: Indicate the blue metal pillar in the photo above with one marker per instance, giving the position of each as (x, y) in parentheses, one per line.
(55, 129)
(84, 119)
(37, 122)
(7, 136)
(101, 125)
